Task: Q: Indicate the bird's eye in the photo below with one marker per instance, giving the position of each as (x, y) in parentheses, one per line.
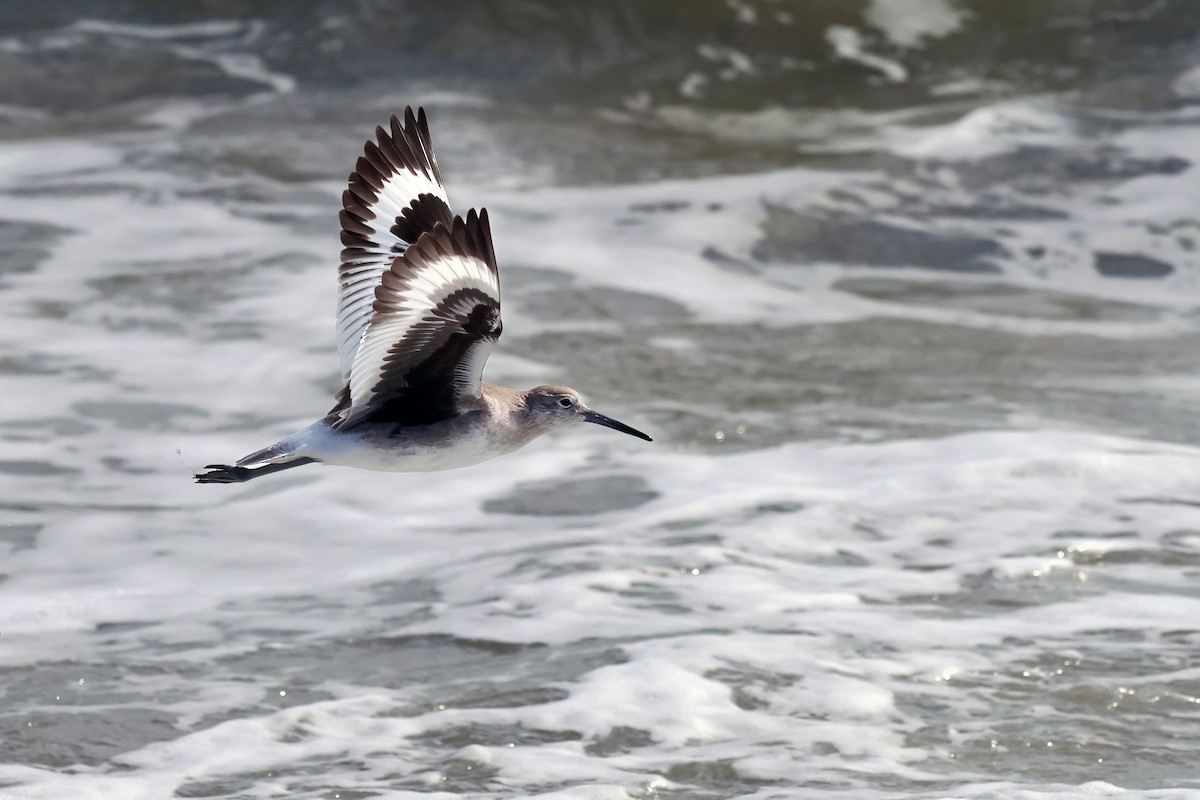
(565, 402)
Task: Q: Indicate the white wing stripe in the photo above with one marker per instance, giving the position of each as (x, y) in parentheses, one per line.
(427, 288)
(384, 197)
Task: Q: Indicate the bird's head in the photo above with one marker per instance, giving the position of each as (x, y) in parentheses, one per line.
(551, 406)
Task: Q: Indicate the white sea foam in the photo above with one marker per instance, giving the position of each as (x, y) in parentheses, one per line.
(990, 130)
(1187, 85)
(848, 45)
(209, 29)
(760, 598)
(924, 612)
(909, 22)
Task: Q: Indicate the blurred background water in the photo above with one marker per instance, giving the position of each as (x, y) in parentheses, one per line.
(906, 290)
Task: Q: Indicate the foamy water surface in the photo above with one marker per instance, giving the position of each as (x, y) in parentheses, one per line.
(920, 519)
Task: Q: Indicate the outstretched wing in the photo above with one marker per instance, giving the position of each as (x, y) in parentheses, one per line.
(395, 195)
(434, 321)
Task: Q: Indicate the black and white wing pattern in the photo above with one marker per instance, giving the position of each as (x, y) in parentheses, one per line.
(435, 319)
(395, 195)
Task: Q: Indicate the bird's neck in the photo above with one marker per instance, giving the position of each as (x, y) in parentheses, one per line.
(509, 405)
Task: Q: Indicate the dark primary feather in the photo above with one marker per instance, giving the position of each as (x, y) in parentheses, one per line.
(425, 212)
(406, 147)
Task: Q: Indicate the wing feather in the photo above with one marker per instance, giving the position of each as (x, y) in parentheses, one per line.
(435, 319)
(394, 195)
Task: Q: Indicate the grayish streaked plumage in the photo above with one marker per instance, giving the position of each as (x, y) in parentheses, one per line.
(418, 315)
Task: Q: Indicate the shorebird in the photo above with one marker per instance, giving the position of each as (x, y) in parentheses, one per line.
(418, 314)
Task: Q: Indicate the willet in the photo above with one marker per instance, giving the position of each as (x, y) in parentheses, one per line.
(418, 314)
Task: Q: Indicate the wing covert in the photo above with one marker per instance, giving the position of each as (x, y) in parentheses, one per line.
(435, 319)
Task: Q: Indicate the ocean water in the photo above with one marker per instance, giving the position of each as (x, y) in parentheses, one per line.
(905, 290)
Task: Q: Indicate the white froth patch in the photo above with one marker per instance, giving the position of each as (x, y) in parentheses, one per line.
(596, 245)
(990, 131)
(1187, 85)
(659, 696)
(586, 792)
(37, 163)
(208, 29)
(908, 23)
(848, 45)
(833, 695)
(1088, 790)
(696, 242)
(1042, 482)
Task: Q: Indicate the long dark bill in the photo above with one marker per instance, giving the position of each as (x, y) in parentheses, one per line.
(609, 422)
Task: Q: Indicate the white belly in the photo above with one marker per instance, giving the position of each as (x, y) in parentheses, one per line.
(446, 445)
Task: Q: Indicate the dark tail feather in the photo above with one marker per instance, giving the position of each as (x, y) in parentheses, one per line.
(224, 473)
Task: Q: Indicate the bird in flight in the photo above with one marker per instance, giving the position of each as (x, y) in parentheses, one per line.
(418, 314)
